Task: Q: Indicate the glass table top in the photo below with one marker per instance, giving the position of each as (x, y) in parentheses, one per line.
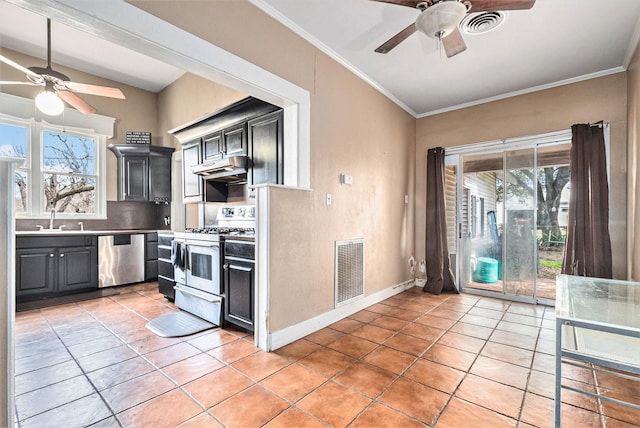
(598, 300)
(602, 303)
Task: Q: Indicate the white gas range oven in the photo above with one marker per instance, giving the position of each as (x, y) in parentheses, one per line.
(197, 260)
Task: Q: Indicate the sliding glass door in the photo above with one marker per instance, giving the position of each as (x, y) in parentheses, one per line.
(506, 216)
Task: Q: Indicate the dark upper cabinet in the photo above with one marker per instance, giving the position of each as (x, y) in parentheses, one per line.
(230, 141)
(144, 172)
(192, 184)
(213, 146)
(250, 127)
(134, 179)
(159, 178)
(235, 139)
(266, 149)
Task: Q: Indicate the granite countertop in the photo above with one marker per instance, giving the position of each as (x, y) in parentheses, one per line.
(65, 232)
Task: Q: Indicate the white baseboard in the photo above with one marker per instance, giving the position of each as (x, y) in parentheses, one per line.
(290, 334)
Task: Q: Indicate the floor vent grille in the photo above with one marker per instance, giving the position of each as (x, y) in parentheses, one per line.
(349, 271)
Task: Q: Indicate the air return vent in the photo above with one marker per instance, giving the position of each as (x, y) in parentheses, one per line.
(478, 23)
(349, 271)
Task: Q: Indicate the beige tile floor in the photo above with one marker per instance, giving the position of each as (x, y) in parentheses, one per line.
(413, 360)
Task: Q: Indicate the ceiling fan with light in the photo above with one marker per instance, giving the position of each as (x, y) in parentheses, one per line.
(439, 19)
(57, 86)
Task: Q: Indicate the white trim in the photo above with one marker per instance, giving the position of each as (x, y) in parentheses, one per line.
(290, 334)
(22, 112)
(525, 91)
(7, 291)
(509, 143)
(261, 325)
(24, 108)
(275, 14)
(633, 45)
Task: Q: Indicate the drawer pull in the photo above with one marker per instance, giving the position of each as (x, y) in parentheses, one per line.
(199, 295)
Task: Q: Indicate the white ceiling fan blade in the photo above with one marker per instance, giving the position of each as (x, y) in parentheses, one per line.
(103, 91)
(19, 67)
(76, 102)
(15, 82)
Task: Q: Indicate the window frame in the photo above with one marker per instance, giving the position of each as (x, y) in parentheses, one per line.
(34, 167)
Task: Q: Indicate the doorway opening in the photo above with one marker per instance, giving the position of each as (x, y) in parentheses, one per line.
(507, 206)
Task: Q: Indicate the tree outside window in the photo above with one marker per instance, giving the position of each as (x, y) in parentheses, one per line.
(68, 172)
(67, 176)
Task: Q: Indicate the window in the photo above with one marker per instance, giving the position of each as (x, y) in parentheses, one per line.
(62, 169)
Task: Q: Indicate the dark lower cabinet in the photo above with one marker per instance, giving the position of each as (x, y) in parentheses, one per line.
(34, 272)
(165, 266)
(53, 266)
(239, 279)
(239, 283)
(77, 268)
(150, 256)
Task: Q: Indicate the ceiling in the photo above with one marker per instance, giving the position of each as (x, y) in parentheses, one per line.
(556, 42)
(26, 32)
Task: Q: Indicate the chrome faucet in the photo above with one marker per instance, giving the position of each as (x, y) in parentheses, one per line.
(53, 217)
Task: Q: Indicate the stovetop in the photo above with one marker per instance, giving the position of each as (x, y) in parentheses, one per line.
(231, 221)
(222, 230)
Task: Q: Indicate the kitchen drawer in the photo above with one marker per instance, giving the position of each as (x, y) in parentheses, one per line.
(152, 251)
(240, 249)
(165, 239)
(165, 269)
(165, 287)
(164, 252)
(206, 306)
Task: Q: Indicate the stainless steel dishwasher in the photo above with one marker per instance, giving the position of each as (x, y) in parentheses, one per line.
(120, 259)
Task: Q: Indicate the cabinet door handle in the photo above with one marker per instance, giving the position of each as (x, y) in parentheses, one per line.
(225, 266)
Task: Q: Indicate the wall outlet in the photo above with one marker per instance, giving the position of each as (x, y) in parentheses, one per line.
(328, 199)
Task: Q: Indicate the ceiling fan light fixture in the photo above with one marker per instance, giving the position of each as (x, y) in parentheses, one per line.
(440, 19)
(49, 103)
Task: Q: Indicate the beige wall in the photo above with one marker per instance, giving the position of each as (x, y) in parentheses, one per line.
(137, 113)
(354, 130)
(189, 98)
(358, 132)
(633, 191)
(544, 111)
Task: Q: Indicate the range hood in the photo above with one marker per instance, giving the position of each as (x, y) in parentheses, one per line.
(230, 168)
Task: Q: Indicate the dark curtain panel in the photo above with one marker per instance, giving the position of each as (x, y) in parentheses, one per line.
(588, 247)
(439, 275)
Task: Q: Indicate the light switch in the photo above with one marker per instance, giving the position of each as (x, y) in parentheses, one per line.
(328, 200)
(406, 199)
(346, 179)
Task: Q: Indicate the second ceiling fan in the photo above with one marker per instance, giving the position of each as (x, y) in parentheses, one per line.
(439, 19)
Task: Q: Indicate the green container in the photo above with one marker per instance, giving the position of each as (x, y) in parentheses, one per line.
(486, 270)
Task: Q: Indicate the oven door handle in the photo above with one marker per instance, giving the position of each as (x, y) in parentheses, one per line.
(191, 244)
(202, 296)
